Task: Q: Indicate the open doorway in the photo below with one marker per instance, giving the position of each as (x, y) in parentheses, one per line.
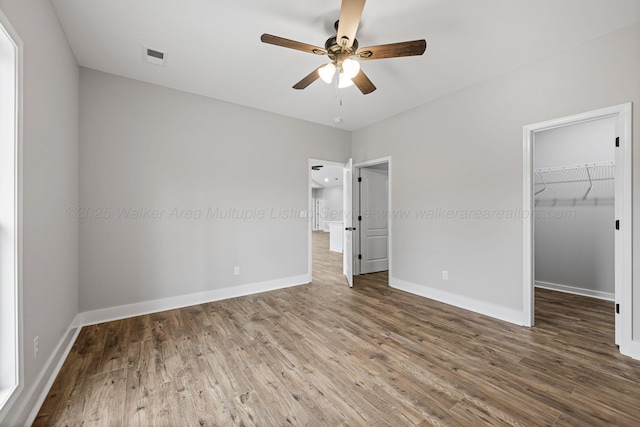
(372, 202)
(574, 197)
(326, 211)
(584, 186)
(574, 182)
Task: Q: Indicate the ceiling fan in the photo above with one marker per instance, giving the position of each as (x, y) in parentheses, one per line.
(342, 49)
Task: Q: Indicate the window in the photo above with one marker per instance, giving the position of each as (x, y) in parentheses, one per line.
(10, 263)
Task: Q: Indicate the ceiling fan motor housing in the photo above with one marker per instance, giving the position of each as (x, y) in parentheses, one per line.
(337, 52)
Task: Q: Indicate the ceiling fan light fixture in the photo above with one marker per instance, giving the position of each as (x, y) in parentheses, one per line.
(327, 72)
(350, 67)
(343, 48)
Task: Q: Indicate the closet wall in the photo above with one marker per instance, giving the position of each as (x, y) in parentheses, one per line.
(574, 208)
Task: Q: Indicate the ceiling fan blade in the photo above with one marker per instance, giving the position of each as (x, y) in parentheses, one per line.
(393, 50)
(292, 44)
(350, 14)
(363, 83)
(312, 77)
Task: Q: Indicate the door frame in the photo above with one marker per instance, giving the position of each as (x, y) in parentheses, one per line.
(623, 195)
(311, 162)
(356, 208)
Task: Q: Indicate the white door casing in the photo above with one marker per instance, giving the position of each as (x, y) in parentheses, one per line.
(374, 223)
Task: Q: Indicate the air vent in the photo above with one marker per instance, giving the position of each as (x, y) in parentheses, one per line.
(154, 56)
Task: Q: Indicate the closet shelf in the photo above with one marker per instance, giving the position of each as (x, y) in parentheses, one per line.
(574, 178)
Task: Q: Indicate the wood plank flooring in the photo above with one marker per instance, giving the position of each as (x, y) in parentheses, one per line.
(326, 355)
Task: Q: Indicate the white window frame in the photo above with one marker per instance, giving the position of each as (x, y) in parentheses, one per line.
(11, 354)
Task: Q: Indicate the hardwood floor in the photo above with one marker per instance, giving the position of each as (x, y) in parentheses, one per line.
(326, 355)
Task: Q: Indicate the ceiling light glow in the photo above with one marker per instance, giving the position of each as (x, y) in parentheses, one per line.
(327, 72)
(350, 67)
(344, 81)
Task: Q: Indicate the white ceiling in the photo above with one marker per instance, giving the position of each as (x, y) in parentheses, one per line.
(330, 175)
(213, 46)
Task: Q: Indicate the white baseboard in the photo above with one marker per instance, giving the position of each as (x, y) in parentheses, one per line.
(154, 306)
(481, 307)
(631, 349)
(576, 291)
(30, 403)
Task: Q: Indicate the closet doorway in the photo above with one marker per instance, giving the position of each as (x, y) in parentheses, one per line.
(574, 196)
(578, 196)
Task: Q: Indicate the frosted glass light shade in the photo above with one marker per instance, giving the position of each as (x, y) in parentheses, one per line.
(327, 72)
(344, 81)
(350, 68)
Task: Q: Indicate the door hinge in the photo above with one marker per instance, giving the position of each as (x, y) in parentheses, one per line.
(617, 224)
(359, 218)
(617, 308)
(359, 179)
(617, 141)
(359, 256)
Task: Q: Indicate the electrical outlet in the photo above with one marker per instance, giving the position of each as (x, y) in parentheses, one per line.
(445, 275)
(36, 347)
(236, 271)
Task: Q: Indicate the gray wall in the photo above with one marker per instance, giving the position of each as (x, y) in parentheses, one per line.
(50, 179)
(148, 147)
(333, 201)
(464, 152)
(574, 239)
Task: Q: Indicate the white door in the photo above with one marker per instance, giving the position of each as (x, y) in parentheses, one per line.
(318, 212)
(321, 215)
(374, 225)
(617, 243)
(347, 191)
(314, 214)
